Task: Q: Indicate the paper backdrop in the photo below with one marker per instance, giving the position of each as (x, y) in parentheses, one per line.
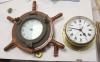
(50, 7)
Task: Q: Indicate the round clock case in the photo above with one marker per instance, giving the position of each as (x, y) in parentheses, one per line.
(72, 33)
(39, 43)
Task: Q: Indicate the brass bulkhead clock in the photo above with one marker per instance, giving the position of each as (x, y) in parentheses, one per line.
(79, 32)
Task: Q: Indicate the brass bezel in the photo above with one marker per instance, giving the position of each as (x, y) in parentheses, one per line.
(71, 43)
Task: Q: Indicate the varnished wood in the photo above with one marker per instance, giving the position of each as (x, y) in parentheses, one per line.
(56, 16)
(18, 43)
(10, 19)
(57, 45)
(10, 46)
(34, 6)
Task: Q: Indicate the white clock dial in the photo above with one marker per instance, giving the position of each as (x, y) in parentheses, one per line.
(80, 30)
(31, 29)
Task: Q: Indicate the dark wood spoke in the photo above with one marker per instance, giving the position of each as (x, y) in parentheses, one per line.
(56, 17)
(57, 45)
(10, 19)
(34, 6)
(55, 51)
(10, 46)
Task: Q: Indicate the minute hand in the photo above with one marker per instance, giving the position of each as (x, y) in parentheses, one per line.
(75, 28)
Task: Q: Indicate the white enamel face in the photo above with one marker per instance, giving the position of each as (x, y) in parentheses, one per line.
(31, 29)
(80, 30)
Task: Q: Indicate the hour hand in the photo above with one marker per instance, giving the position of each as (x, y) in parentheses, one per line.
(75, 28)
(84, 34)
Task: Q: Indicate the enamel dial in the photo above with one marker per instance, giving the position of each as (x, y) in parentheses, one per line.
(31, 29)
(80, 30)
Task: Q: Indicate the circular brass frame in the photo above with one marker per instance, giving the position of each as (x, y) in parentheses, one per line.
(35, 42)
(73, 45)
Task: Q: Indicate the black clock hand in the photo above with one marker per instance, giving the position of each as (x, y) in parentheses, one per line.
(75, 28)
(84, 35)
(79, 30)
(83, 25)
(82, 28)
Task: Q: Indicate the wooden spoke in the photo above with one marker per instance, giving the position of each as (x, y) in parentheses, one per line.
(57, 45)
(56, 51)
(10, 46)
(34, 6)
(56, 17)
(10, 19)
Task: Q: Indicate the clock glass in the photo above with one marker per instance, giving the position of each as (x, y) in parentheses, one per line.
(31, 29)
(80, 30)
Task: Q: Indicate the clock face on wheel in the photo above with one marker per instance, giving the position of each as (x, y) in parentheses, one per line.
(79, 31)
(31, 29)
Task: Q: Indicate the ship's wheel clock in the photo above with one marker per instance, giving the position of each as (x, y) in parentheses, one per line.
(79, 33)
(33, 31)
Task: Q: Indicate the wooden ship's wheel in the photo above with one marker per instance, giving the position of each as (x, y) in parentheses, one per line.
(33, 31)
